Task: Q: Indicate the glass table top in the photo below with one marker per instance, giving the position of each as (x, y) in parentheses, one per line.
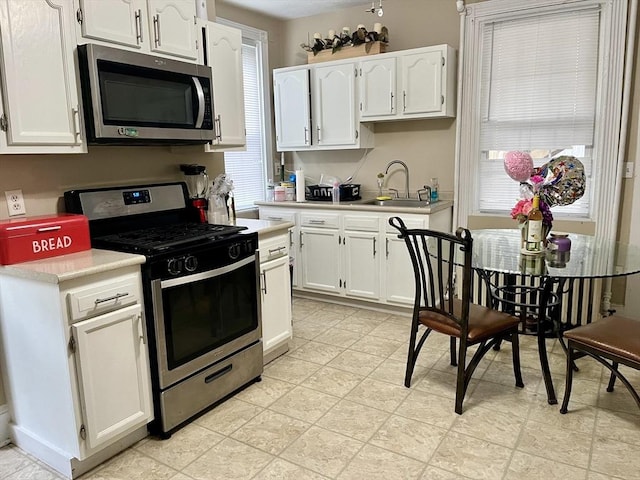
(498, 250)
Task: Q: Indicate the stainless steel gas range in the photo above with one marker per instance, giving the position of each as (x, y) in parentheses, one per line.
(201, 293)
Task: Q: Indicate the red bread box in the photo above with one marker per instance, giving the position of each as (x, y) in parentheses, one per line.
(34, 238)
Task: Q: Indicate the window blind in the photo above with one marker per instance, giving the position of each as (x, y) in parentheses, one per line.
(247, 168)
(539, 78)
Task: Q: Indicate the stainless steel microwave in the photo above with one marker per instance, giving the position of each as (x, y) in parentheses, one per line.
(134, 99)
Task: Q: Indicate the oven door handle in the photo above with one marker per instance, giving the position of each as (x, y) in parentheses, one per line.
(173, 282)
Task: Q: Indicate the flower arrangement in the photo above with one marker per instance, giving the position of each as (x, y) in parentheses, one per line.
(522, 208)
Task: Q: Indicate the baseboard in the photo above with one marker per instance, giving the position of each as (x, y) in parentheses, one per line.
(400, 310)
(4, 425)
(63, 462)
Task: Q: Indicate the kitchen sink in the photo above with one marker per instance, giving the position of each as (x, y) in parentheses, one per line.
(399, 202)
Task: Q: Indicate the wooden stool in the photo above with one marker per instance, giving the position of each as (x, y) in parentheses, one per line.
(611, 341)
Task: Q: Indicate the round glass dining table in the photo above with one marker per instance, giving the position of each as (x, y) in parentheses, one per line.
(497, 255)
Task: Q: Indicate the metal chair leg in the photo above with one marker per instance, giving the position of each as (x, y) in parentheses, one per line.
(515, 348)
(569, 380)
(612, 378)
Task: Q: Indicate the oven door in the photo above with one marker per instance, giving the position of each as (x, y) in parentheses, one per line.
(202, 318)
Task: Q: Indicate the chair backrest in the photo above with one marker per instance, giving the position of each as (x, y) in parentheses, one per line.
(438, 260)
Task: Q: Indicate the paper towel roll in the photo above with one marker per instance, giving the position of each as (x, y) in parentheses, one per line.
(300, 186)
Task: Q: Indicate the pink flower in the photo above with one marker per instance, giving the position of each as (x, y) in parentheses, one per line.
(536, 179)
(521, 210)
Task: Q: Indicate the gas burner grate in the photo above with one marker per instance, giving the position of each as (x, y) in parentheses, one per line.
(161, 238)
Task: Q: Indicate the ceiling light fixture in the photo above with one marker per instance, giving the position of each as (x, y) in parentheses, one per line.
(375, 9)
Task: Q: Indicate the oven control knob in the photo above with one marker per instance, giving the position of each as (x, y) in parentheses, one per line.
(191, 263)
(174, 266)
(234, 251)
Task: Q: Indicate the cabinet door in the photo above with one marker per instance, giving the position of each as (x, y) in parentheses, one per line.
(279, 215)
(399, 279)
(362, 264)
(113, 374)
(422, 82)
(377, 87)
(334, 105)
(276, 302)
(292, 112)
(115, 21)
(172, 27)
(224, 51)
(39, 90)
(320, 252)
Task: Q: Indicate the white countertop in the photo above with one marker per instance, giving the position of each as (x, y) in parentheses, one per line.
(74, 265)
(263, 227)
(361, 206)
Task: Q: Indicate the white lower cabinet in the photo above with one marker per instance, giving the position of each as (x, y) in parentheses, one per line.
(83, 356)
(361, 253)
(286, 215)
(114, 390)
(320, 258)
(275, 286)
(356, 254)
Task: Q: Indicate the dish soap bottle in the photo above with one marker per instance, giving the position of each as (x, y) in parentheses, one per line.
(434, 189)
(335, 194)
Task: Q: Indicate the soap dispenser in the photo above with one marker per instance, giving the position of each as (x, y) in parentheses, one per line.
(434, 190)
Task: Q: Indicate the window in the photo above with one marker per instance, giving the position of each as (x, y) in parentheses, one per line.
(248, 169)
(539, 77)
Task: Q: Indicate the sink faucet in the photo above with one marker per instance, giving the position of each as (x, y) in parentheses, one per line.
(406, 173)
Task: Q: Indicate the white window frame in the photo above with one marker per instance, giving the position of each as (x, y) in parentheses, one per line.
(261, 40)
(606, 176)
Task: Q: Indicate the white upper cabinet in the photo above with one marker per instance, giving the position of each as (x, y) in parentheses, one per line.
(334, 93)
(165, 27)
(330, 90)
(421, 75)
(292, 111)
(114, 21)
(410, 84)
(172, 27)
(40, 102)
(377, 87)
(224, 56)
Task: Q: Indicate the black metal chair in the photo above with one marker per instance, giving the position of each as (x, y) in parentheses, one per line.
(437, 258)
(612, 341)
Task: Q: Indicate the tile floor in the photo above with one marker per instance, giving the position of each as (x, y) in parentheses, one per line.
(335, 407)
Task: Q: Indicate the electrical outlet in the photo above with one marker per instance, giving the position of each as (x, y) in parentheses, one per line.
(15, 202)
(277, 171)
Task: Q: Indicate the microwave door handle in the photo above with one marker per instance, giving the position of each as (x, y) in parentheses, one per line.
(201, 106)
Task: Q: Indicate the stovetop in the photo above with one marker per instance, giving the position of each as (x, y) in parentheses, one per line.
(164, 238)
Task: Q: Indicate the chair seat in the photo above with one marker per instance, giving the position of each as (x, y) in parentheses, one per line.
(618, 336)
(483, 322)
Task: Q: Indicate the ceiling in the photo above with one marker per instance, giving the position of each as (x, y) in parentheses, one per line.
(290, 9)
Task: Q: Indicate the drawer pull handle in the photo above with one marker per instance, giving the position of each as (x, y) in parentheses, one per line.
(274, 218)
(264, 282)
(218, 374)
(115, 297)
(316, 222)
(49, 229)
(276, 250)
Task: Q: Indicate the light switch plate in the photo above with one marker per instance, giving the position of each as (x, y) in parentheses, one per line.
(628, 169)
